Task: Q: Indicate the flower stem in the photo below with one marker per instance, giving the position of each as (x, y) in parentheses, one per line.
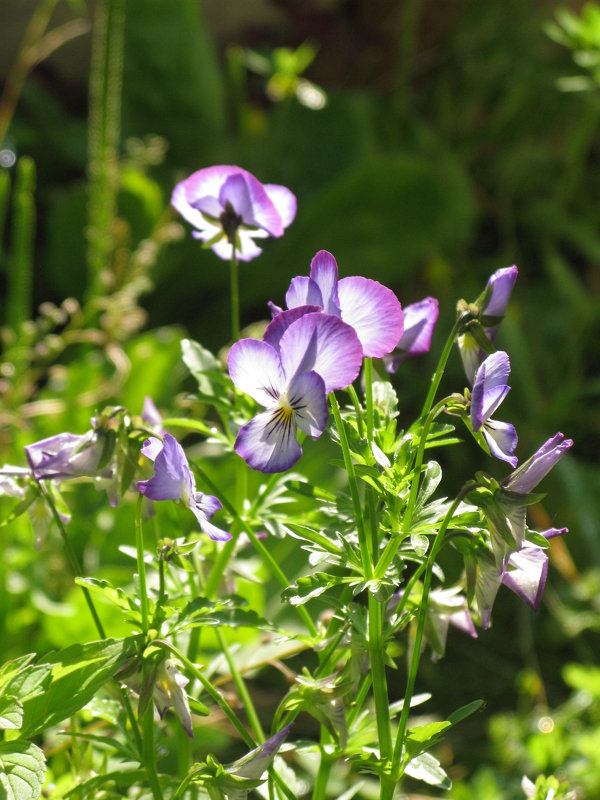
(149, 753)
(439, 370)
(235, 296)
(352, 484)
(141, 565)
(369, 397)
(320, 790)
(258, 546)
(416, 655)
(380, 691)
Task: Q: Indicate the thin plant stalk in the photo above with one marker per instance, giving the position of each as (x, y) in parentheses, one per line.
(141, 565)
(235, 295)
(149, 752)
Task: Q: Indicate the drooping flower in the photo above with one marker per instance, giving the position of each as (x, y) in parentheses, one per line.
(524, 479)
(446, 607)
(169, 692)
(65, 455)
(419, 323)
(173, 480)
(151, 415)
(491, 306)
(230, 208)
(489, 390)
(526, 569)
(371, 309)
(303, 357)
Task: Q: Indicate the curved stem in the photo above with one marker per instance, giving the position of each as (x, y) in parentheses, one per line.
(353, 486)
(235, 296)
(369, 397)
(439, 370)
(141, 565)
(416, 655)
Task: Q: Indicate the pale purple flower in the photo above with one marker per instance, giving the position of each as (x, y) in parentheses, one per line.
(419, 323)
(229, 207)
(446, 607)
(16, 482)
(489, 390)
(524, 479)
(526, 569)
(257, 761)
(173, 480)
(65, 455)
(371, 309)
(151, 415)
(488, 577)
(169, 692)
(492, 305)
(303, 357)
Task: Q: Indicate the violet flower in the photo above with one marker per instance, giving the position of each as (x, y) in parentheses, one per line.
(492, 305)
(371, 309)
(489, 390)
(527, 568)
(173, 480)
(230, 208)
(169, 692)
(303, 357)
(65, 455)
(151, 415)
(524, 479)
(419, 322)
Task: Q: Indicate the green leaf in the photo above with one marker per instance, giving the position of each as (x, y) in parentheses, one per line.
(22, 768)
(113, 594)
(432, 475)
(465, 711)
(228, 611)
(53, 691)
(11, 713)
(425, 736)
(309, 587)
(123, 779)
(426, 768)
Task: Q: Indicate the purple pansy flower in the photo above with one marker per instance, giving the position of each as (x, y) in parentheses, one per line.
(65, 455)
(524, 479)
(303, 357)
(492, 306)
(173, 480)
(228, 206)
(151, 415)
(371, 309)
(526, 569)
(419, 322)
(489, 390)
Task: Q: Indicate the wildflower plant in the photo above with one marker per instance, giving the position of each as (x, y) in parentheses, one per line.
(367, 582)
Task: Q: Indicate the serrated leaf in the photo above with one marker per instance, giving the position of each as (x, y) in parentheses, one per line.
(432, 475)
(229, 612)
(22, 769)
(113, 594)
(71, 677)
(309, 587)
(426, 768)
(425, 736)
(123, 779)
(11, 713)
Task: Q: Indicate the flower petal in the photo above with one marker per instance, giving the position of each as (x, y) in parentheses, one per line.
(324, 272)
(374, 312)
(489, 387)
(283, 200)
(471, 354)
(501, 284)
(306, 395)
(65, 455)
(150, 413)
(200, 191)
(323, 344)
(487, 584)
(279, 324)
(419, 322)
(172, 478)
(250, 201)
(527, 577)
(216, 534)
(255, 369)
(268, 442)
(303, 291)
(531, 472)
(208, 503)
(151, 448)
(501, 438)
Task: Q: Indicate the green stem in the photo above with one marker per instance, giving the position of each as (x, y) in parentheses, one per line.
(352, 483)
(361, 696)
(257, 544)
(141, 565)
(380, 691)
(357, 410)
(149, 752)
(240, 685)
(320, 790)
(369, 397)
(439, 370)
(416, 655)
(235, 296)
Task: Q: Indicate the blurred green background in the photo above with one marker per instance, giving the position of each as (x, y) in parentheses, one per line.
(429, 143)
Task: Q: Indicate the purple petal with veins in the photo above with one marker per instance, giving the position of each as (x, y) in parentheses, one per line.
(501, 284)
(172, 479)
(303, 291)
(151, 448)
(324, 273)
(268, 442)
(374, 312)
(279, 324)
(255, 369)
(530, 473)
(306, 395)
(501, 438)
(489, 388)
(323, 344)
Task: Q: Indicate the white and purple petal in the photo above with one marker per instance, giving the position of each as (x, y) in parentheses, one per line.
(172, 478)
(306, 395)
(501, 438)
(489, 387)
(268, 442)
(471, 354)
(531, 472)
(526, 573)
(323, 344)
(303, 291)
(324, 272)
(216, 534)
(487, 584)
(151, 414)
(374, 312)
(151, 448)
(281, 322)
(283, 200)
(419, 323)
(501, 285)
(255, 369)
